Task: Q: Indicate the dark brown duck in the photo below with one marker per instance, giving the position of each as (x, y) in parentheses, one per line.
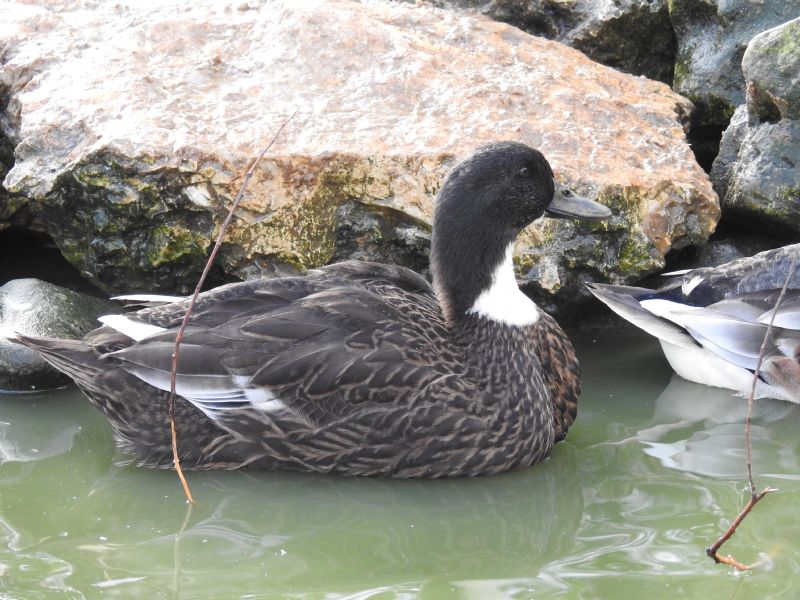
(357, 368)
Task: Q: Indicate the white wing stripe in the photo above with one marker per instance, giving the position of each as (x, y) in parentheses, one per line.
(133, 328)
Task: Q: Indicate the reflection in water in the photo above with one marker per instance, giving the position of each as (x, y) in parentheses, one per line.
(700, 429)
(176, 552)
(30, 430)
(309, 531)
(125, 531)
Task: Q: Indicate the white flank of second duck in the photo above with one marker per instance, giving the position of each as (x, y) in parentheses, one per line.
(701, 366)
(503, 302)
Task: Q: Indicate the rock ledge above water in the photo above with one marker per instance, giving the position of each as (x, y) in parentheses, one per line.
(133, 127)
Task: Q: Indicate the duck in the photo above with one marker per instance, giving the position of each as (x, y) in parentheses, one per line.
(712, 321)
(356, 368)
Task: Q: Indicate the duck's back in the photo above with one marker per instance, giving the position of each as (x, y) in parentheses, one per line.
(339, 336)
(764, 271)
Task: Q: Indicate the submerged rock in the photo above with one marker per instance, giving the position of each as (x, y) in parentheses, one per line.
(132, 170)
(756, 173)
(35, 307)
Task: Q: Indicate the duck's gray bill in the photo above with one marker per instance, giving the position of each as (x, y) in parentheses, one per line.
(568, 205)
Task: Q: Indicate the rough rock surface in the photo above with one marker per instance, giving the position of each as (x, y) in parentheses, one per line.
(35, 307)
(712, 36)
(133, 127)
(634, 36)
(756, 173)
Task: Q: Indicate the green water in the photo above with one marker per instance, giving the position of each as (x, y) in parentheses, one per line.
(651, 473)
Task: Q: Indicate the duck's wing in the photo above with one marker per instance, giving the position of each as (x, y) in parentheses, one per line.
(316, 350)
(787, 314)
(258, 296)
(752, 274)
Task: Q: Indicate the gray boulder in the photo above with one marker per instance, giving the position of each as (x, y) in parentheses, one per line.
(35, 307)
(712, 36)
(720, 251)
(756, 173)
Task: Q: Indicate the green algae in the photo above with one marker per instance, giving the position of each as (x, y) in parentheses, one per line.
(711, 110)
(791, 194)
(303, 235)
(635, 256)
(128, 229)
(168, 243)
(680, 73)
(11, 204)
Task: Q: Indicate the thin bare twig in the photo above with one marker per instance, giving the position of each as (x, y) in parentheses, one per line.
(757, 372)
(201, 281)
(713, 551)
(755, 497)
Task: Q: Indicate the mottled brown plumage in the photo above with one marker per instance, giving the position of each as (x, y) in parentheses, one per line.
(353, 368)
(560, 371)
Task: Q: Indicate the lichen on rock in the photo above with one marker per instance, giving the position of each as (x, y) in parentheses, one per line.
(128, 225)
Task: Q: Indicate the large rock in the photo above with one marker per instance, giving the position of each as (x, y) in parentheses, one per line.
(634, 36)
(756, 173)
(135, 125)
(34, 307)
(712, 36)
(13, 210)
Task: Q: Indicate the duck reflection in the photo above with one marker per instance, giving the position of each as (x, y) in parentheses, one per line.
(308, 530)
(700, 429)
(31, 430)
(121, 529)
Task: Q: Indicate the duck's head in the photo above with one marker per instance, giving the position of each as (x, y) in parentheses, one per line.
(484, 203)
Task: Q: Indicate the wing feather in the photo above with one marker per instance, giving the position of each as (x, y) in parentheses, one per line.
(316, 347)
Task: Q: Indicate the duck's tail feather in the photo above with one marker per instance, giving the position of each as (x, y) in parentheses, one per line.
(74, 358)
(625, 301)
(137, 412)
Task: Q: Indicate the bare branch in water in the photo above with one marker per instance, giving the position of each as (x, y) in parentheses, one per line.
(755, 497)
(179, 337)
(713, 551)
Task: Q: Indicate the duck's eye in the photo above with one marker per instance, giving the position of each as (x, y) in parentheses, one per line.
(566, 193)
(524, 171)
